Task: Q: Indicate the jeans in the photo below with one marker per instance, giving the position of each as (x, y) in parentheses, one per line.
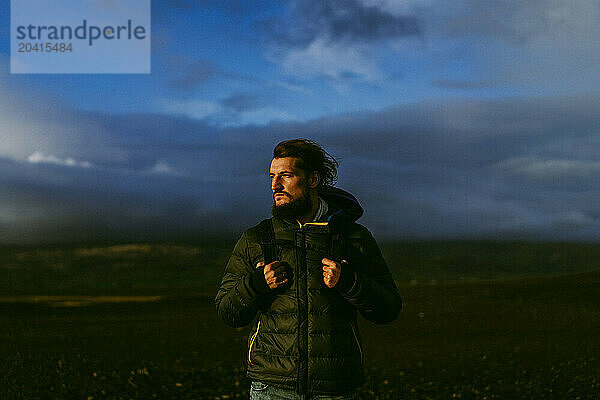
(261, 391)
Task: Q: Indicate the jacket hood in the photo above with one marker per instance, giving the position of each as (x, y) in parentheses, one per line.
(343, 206)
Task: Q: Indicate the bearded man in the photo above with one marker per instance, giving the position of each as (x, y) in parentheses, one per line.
(300, 278)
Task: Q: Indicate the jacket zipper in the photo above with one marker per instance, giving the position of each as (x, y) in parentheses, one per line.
(252, 339)
(357, 343)
(303, 342)
(301, 264)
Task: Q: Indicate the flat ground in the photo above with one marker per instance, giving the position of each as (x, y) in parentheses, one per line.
(527, 338)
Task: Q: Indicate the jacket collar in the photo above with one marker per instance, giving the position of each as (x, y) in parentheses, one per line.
(336, 208)
(321, 211)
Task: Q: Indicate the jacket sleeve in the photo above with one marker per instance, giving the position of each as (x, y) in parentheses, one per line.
(369, 286)
(242, 288)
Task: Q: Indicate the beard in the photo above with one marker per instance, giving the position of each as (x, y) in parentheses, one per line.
(294, 209)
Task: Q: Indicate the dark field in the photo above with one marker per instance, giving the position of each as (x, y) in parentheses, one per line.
(534, 337)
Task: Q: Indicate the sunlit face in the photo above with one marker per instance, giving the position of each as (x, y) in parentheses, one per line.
(288, 182)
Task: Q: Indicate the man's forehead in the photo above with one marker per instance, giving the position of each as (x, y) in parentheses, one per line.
(285, 163)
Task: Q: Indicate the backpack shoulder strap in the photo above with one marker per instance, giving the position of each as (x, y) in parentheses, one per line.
(341, 242)
(264, 234)
(338, 247)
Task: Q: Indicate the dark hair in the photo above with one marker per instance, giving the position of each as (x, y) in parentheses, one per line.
(312, 157)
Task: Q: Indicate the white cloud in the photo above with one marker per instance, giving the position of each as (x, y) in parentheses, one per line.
(195, 108)
(31, 120)
(39, 157)
(261, 116)
(545, 46)
(162, 167)
(221, 116)
(323, 58)
(398, 7)
(539, 168)
(291, 87)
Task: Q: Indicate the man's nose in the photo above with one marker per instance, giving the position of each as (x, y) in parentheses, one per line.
(276, 184)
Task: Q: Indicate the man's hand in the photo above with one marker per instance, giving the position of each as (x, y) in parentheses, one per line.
(331, 272)
(275, 274)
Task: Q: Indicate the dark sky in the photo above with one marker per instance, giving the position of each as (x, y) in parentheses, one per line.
(479, 120)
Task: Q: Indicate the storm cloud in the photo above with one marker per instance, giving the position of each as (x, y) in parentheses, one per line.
(334, 39)
(516, 168)
(478, 119)
(345, 20)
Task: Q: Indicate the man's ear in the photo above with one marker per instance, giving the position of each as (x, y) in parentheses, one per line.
(314, 179)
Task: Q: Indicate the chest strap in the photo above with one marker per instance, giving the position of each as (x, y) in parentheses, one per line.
(266, 238)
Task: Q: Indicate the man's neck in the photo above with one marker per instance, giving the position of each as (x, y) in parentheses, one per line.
(308, 217)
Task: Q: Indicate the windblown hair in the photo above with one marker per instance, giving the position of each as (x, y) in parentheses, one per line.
(312, 157)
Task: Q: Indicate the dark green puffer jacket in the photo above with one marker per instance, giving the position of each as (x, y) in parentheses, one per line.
(305, 335)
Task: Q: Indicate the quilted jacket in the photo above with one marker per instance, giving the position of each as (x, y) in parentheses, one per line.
(304, 336)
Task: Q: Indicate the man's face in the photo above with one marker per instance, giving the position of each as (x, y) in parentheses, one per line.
(290, 188)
